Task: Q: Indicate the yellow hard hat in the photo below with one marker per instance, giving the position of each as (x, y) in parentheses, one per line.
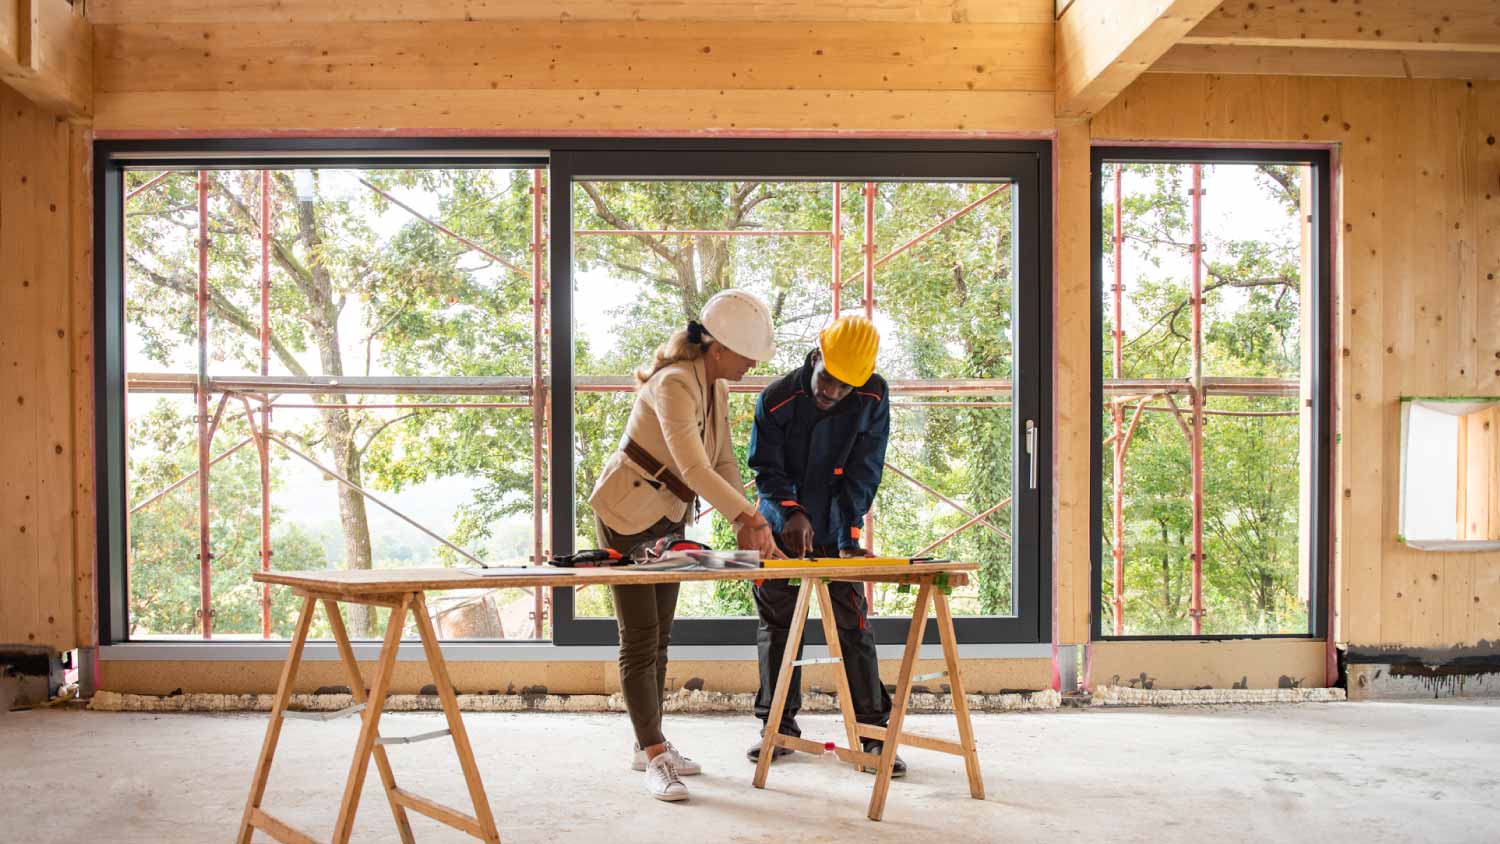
(849, 347)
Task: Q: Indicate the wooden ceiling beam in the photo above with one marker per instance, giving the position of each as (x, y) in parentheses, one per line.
(1436, 25)
(1103, 45)
(47, 54)
(1318, 61)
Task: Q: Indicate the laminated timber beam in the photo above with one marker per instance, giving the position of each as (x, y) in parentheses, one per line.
(1440, 39)
(47, 54)
(1103, 45)
(1432, 26)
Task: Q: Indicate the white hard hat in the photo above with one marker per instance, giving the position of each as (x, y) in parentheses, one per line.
(742, 322)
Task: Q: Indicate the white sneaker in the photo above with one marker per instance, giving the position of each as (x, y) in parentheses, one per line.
(662, 779)
(685, 766)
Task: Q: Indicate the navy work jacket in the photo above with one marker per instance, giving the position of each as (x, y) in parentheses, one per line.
(826, 464)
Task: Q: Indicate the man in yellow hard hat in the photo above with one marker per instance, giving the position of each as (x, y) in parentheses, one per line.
(818, 451)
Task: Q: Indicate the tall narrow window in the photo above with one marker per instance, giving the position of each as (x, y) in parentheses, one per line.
(1211, 441)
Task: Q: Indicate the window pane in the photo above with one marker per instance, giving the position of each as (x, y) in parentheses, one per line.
(371, 276)
(943, 286)
(1255, 275)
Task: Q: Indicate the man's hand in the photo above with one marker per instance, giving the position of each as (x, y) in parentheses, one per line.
(797, 535)
(856, 552)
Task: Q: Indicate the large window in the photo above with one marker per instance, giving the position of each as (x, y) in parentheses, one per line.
(367, 359)
(1211, 427)
(649, 252)
(328, 367)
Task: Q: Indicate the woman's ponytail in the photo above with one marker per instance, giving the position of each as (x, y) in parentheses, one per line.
(684, 345)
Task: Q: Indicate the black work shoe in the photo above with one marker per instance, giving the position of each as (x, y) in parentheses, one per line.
(753, 754)
(874, 746)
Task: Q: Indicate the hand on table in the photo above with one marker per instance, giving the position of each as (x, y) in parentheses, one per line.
(856, 552)
(753, 533)
(797, 535)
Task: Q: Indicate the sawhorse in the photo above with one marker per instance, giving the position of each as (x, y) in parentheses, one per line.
(892, 735)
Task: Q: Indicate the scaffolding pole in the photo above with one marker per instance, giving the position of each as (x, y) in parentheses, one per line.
(205, 587)
(837, 236)
(1196, 252)
(262, 446)
(538, 554)
(1117, 418)
(203, 385)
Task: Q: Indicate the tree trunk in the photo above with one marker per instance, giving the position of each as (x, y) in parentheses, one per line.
(1166, 574)
(323, 317)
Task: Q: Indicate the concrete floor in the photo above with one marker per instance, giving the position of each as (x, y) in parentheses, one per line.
(1375, 771)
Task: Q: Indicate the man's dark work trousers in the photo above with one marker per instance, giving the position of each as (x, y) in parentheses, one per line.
(776, 601)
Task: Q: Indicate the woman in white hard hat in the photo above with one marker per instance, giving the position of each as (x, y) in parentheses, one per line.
(676, 449)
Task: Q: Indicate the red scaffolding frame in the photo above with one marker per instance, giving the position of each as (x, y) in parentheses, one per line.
(1142, 392)
(267, 391)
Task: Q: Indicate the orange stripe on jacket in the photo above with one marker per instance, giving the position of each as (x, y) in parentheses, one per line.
(783, 402)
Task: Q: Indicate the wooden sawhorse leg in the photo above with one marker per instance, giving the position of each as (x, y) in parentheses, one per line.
(891, 735)
(773, 737)
(370, 744)
(361, 698)
(254, 817)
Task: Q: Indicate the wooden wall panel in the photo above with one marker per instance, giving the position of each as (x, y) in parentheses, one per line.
(81, 365)
(270, 67)
(38, 416)
(1241, 663)
(574, 112)
(344, 11)
(1419, 304)
(469, 55)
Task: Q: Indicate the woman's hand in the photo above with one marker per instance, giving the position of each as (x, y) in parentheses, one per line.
(753, 533)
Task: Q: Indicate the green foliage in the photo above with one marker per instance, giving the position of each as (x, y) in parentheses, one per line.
(359, 285)
(164, 569)
(1252, 328)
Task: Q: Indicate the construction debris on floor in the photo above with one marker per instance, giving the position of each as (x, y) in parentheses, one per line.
(1394, 771)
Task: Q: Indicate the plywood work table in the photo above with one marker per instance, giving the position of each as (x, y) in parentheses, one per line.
(403, 591)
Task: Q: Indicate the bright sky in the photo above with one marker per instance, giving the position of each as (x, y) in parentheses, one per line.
(1235, 207)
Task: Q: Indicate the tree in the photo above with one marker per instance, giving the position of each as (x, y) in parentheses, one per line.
(163, 573)
(354, 292)
(1252, 328)
(325, 255)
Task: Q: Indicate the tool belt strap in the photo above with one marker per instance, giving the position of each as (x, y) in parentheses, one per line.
(642, 458)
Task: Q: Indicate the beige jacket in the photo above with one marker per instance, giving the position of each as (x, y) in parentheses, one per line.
(668, 420)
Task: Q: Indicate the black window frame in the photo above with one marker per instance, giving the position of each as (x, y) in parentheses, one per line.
(1320, 348)
(1027, 164)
